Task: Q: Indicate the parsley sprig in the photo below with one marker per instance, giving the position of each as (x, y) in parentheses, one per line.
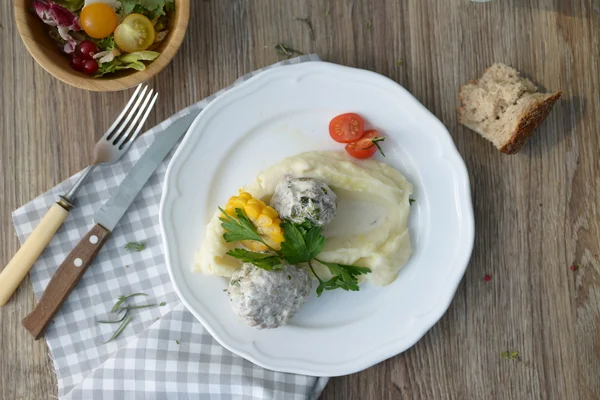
(302, 244)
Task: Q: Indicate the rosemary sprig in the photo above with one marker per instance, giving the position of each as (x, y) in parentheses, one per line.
(120, 330)
(123, 299)
(115, 321)
(308, 23)
(139, 306)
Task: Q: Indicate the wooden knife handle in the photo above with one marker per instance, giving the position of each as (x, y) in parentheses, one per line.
(16, 269)
(64, 280)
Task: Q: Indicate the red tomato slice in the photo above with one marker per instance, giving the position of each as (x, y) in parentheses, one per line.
(346, 128)
(366, 146)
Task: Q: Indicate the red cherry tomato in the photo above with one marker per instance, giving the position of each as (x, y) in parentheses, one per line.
(346, 128)
(86, 49)
(366, 146)
(77, 63)
(90, 67)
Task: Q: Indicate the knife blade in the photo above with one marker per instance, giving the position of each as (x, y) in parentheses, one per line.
(76, 263)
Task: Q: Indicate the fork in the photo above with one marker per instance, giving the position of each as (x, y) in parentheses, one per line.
(109, 149)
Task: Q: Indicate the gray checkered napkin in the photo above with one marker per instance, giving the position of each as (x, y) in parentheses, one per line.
(164, 353)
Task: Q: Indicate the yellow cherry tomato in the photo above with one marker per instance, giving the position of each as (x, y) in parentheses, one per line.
(135, 33)
(98, 20)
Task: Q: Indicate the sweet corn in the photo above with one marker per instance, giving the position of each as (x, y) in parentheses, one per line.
(264, 217)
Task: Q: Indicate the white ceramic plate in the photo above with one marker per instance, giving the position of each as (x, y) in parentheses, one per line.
(286, 111)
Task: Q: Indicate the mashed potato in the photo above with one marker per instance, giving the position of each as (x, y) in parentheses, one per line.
(370, 228)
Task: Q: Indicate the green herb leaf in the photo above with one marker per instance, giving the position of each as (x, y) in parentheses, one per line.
(120, 329)
(328, 10)
(239, 229)
(410, 201)
(163, 304)
(510, 355)
(265, 261)
(177, 341)
(399, 62)
(235, 282)
(375, 142)
(344, 276)
(301, 245)
(123, 299)
(136, 246)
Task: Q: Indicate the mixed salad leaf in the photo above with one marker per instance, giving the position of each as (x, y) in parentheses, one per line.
(105, 37)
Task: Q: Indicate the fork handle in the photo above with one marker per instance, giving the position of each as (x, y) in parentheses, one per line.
(64, 280)
(16, 269)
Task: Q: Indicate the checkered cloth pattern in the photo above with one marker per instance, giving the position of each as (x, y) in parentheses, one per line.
(164, 353)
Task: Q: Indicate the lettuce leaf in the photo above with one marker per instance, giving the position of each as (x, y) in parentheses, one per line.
(71, 5)
(156, 7)
(127, 61)
(145, 55)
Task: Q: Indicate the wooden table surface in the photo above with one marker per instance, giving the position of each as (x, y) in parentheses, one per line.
(536, 213)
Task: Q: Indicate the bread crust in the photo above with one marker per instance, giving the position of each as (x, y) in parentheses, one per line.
(528, 122)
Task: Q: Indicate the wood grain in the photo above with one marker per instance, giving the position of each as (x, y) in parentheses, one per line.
(537, 212)
(64, 280)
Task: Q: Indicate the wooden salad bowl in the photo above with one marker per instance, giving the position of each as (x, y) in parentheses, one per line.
(44, 50)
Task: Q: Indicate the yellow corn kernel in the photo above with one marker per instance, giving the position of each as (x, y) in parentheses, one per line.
(270, 212)
(253, 211)
(263, 220)
(264, 217)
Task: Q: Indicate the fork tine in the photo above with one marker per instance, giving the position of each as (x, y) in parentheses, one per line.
(119, 134)
(143, 112)
(110, 131)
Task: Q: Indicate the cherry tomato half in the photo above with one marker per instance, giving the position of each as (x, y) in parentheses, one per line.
(366, 146)
(346, 128)
(98, 20)
(135, 33)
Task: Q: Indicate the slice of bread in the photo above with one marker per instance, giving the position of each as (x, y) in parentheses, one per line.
(503, 107)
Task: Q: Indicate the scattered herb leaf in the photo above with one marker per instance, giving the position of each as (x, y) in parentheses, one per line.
(328, 10)
(163, 304)
(289, 277)
(115, 321)
(224, 290)
(235, 282)
(265, 261)
(177, 341)
(411, 201)
(120, 329)
(399, 62)
(308, 23)
(287, 51)
(136, 246)
(123, 298)
(369, 24)
(138, 306)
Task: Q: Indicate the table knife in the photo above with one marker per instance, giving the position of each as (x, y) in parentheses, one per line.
(74, 266)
